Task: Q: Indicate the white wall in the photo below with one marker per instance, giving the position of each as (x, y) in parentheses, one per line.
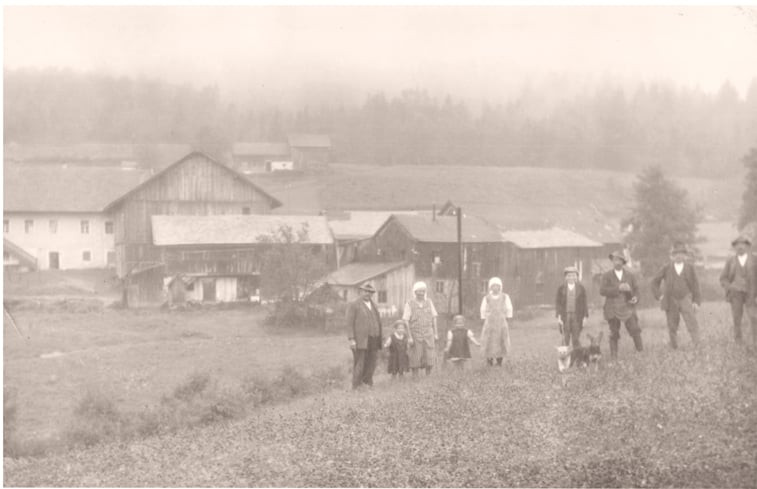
(68, 241)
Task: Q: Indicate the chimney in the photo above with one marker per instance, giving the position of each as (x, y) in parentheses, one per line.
(433, 212)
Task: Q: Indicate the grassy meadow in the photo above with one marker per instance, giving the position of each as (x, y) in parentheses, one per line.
(661, 418)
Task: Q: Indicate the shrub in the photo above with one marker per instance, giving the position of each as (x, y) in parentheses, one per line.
(194, 386)
(95, 419)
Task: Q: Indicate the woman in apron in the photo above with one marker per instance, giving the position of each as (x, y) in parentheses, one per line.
(496, 309)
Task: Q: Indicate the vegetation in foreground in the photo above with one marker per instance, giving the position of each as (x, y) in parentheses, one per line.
(681, 418)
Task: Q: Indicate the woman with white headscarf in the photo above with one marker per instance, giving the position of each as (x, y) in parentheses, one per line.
(420, 315)
(496, 309)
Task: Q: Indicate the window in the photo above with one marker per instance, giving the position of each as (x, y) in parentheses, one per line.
(86, 255)
(245, 210)
(6, 226)
(439, 287)
(85, 227)
(382, 296)
(436, 257)
(476, 269)
(28, 226)
(53, 226)
(108, 227)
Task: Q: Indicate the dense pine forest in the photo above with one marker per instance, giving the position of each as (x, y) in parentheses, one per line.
(609, 126)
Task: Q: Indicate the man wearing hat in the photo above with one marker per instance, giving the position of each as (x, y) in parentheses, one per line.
(680, 296)
(421, 315)
(364, 333)
(571, 308)
(621, 292)
(738, 279)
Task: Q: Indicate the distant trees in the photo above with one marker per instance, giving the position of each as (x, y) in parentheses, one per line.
(748, 212)
(662, 214)
(608, 127)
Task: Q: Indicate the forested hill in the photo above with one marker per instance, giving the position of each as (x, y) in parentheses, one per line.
(685, 130)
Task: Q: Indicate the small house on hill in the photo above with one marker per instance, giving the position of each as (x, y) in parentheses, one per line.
(218, 258)
(57, 215)
(430, 244)
(260, 157)
(393, 283)
(310, 150)
(196, 185)
(533, 263)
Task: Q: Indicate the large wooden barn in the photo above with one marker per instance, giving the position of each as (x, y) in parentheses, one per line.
(196, 185)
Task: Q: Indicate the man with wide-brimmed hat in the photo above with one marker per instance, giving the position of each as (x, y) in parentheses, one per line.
(621, 292)
(571, 308)
(364, 334)
(739, 279)
(681, 295)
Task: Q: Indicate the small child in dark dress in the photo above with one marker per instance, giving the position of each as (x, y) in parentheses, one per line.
(459, 339)
(397, 346)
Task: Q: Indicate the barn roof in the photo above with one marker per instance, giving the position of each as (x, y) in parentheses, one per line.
(233, 229)
(260, 148)
(443, 229)
(309, 140)
(355, 274)
(59, 189)
(357, 225)
(274, 202)
(23, 256)
(548, 238)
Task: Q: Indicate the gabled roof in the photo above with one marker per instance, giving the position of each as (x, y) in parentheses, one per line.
(23, 256)
(548, 238)
(443, 229)
(233, 229)
(243, 178)
(309, 140)
(356, 273)
(59, 189)
(358, 225)
(260, 149)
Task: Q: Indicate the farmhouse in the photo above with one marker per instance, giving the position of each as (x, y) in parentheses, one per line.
(310, 150)
(393, 283)
(259, 157)
(218, 258)
(55, 218)
(196, 185)
(430, 244)
(533, 263)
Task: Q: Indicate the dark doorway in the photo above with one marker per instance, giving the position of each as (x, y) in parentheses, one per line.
(209, 290)
(54, 260)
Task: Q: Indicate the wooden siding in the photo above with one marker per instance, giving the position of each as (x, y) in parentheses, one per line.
(397, 284)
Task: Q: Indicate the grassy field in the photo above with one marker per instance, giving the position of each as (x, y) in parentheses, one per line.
(657, 419)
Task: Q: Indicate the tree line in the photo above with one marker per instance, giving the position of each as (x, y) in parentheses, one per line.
(681, 129)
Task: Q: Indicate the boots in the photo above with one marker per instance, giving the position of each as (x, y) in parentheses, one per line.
(613, 349)
(637, 342)
(673, 340)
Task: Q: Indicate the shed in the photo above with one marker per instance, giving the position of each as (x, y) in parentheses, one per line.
(256, 157)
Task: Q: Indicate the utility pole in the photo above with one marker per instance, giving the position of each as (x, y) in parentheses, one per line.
(459, 260)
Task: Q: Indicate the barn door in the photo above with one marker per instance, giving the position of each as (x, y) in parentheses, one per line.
(54, 260)
(209, 290)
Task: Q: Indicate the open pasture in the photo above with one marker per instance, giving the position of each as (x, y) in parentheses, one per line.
(661, 418)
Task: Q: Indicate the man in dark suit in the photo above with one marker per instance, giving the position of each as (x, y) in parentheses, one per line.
(364, 333)
(621, 292)
(739, 279)
(571, 308)
(681, 295)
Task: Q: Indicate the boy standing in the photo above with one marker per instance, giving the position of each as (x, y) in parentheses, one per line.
(681, 295)
(571, 308)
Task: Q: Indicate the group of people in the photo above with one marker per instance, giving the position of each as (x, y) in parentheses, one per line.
(412, 343)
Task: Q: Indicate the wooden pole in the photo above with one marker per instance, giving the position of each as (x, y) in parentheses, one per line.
(460, 260)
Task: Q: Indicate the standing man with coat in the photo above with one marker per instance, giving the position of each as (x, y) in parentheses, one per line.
(571, 308)
(681, 295)
(739, 279)
(621, 292)
(364, 334)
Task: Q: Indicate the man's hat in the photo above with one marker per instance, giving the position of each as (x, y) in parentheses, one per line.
(742, 239)
(679, 248)
(571, 269)
(619, 255)
(367, 287)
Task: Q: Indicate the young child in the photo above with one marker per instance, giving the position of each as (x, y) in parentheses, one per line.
(397, 345)
(459, 339)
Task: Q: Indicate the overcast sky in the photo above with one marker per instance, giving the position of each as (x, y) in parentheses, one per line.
(484, 52)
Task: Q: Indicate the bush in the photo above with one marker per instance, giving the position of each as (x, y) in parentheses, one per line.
(194, 386)
(96, 419)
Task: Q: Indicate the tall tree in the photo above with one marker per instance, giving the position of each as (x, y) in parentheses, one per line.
(662, 214)
(748, 213)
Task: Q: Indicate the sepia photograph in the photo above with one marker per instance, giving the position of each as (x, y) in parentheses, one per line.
(409, 245)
